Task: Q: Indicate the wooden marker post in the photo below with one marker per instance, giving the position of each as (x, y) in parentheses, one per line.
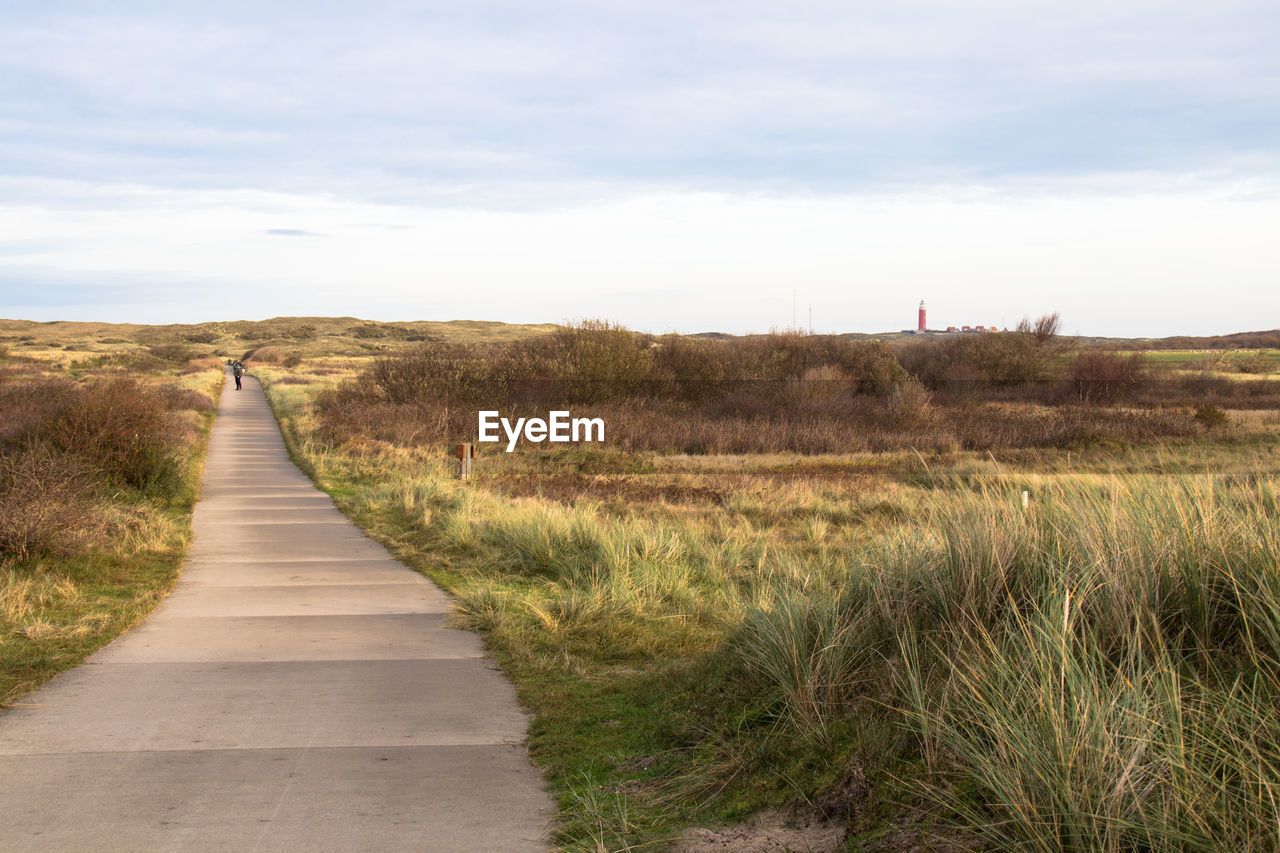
(465, 453)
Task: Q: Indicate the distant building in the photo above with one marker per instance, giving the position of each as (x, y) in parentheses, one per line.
(922, 327)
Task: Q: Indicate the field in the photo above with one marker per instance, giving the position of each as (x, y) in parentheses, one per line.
(988, 593)
(1038, 621)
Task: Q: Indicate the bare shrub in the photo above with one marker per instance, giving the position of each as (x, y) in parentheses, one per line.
(444, 374)
(124, 430)
(690, 369)
(25, 405)
(1044, 330)
(909, 404)
(969, 362)
(178, 399)
(45, 500)
(1105, 377)
(592, 361)
(1254, 364)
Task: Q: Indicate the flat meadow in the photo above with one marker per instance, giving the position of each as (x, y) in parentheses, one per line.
(1003, 592)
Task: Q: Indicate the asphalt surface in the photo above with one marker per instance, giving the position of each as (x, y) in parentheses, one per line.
(298, 691)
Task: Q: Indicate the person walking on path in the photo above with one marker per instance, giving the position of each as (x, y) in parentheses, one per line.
(237, 370)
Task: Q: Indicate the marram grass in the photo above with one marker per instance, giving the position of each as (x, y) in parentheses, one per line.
(1099, 670)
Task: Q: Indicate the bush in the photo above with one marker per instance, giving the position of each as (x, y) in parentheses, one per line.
(264, 355)
(909, 404)
(1254, 363)
(1211, 416)
(45, 499)
(963, 362)
(589, 362)
(202, 336)
(123, 430)
(25, 406)
(1105, 377)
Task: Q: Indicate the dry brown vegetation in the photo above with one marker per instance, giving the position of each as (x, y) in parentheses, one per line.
(790, 392)
(870, 641)
(97, 479)
(854, 615)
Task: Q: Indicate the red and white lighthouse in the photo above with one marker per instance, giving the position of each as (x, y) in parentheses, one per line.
(921, 326)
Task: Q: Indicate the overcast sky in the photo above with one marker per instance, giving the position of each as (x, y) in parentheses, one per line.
(680, 166)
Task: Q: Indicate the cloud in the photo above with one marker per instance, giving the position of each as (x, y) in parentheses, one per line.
(1125, 257)
(400, 103)
(507, 160)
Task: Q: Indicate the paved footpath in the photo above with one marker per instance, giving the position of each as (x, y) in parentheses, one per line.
(297, 692)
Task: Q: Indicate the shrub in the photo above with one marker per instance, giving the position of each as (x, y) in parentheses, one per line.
(26, 405)
(687, 369)
(446, 374)
(1211, 416)
(589, 362)
(997, 359)
(264, 355)
(176, 353)
(202, 336)
(123, 430)
(1105, 377)
(909, 404)
(1254, 363)
(870, 365)
(45, 499)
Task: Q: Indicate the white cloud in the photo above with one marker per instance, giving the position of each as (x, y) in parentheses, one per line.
(669, 164)
(1186, 261)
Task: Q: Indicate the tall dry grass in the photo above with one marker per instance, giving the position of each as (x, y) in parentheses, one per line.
(1098, 670)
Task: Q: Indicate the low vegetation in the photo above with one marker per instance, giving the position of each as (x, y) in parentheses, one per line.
(790, 392)
(98, 474)
(1055, 629)
(996, 591)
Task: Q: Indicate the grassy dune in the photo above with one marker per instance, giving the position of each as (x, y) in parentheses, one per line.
(883, 646)
(885, 643)
(275, 340)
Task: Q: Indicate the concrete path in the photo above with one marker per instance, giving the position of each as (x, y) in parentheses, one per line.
(298, 691)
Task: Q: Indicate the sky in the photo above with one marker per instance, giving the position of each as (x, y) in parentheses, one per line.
(673, 166)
